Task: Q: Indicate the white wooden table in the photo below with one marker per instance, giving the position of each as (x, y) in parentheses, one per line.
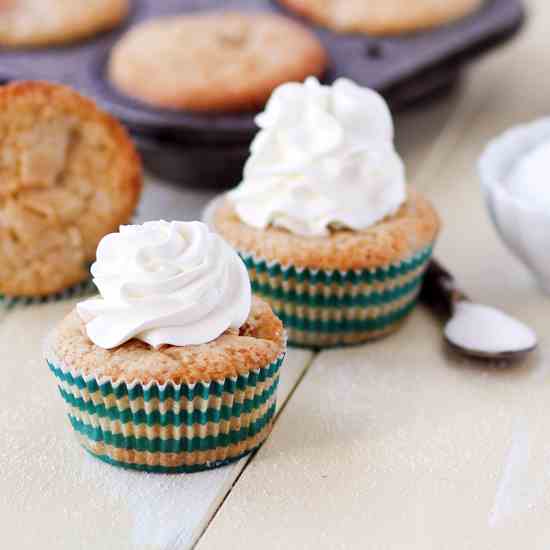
(392, 445)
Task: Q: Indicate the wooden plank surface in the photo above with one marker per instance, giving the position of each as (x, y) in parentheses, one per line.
(400, 444)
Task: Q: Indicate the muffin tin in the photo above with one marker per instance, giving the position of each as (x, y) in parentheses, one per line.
(210, 149)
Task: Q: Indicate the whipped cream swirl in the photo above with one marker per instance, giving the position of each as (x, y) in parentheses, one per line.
(163, 282)
(324, 157)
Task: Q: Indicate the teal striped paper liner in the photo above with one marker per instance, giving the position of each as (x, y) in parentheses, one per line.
(323, 308)
(85, 288)
(170, 428)
(168, 470)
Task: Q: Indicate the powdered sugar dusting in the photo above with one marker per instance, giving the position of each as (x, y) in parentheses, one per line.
(166, 510)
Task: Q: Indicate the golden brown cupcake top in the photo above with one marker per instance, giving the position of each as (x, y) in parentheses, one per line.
(255, 345)
(396, 238)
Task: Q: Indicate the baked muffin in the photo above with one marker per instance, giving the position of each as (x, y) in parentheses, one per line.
(33, 23)
(213, 61)
(174, 368)
(330, 234)
(69, 175)
(382, 17)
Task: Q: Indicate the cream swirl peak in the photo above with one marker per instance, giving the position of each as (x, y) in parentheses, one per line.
(324, 157)
(163, 282)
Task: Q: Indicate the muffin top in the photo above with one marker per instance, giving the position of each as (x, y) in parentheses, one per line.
(412, 228)
(213, 61)
(69, 174)
(257, 343)
(382, 16)
(50, 22)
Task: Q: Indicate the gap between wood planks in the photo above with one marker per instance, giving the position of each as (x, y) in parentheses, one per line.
(251, 457)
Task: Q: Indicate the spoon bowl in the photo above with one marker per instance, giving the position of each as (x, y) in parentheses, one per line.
(502, 356)
(475, 330)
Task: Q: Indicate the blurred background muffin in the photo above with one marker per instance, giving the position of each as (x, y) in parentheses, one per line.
(187, 78)
(213, 61)
(382, 16)
(46, 22)
(69, 175)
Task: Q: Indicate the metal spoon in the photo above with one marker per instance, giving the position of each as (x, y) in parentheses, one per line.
(441, 293)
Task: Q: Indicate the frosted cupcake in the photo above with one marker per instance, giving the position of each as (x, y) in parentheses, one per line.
(174, 367)
(330, 234)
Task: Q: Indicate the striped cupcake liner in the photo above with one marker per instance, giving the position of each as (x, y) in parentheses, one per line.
(322, 309)
(170, 428)
(85, 288)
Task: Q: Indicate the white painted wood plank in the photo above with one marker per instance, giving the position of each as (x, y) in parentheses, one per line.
(419, 130)
(396, 447)
(172, 201)
(399, 444)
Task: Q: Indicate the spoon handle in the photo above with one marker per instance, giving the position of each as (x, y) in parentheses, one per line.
(440, 291)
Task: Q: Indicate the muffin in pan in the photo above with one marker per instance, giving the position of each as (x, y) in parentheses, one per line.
(330, 234)
(175, 367)
(35, 23)
(69, 175)
(213, 61)
(382, 17)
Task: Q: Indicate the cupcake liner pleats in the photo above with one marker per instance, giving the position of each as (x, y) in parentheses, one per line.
(172, 427)
(322, 308)
(85, 288)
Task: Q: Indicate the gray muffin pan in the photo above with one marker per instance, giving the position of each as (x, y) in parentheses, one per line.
(405, 69)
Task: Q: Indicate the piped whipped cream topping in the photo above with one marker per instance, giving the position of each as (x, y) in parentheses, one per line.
(164, 282)
(324, 157)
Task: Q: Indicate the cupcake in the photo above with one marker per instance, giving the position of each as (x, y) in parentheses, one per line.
(69, 175)
(174, 367)
(332, 237)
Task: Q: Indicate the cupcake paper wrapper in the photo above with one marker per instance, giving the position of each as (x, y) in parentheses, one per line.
(323, 309)
(170, 428)
(84, 288)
